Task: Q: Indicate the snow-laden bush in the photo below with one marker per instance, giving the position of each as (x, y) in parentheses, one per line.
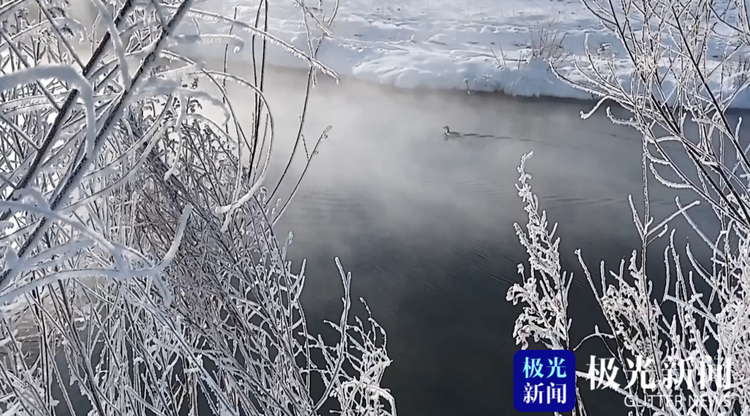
(140, 273)
(682, 52)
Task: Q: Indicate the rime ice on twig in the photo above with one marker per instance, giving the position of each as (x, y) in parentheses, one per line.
(121, 281)
(701, 315)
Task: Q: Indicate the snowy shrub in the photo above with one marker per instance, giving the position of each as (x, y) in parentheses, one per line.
(140, 272)
(546, 44)
(676, 102)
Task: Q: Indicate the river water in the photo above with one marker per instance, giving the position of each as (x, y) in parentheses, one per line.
(425, 225)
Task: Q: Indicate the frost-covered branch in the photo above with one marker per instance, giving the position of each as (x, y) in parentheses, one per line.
(684, 53)
(141, 273)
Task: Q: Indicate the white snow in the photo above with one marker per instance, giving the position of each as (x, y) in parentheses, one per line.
(479, 45)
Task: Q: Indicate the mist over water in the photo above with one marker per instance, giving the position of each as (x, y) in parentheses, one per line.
(425, 224)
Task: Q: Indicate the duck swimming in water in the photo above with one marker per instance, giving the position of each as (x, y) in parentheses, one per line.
(454, 134)
(449, 133)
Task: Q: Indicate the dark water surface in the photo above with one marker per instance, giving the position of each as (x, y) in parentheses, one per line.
(425, 225)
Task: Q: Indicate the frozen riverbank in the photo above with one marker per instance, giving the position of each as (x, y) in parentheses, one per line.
(479, 45)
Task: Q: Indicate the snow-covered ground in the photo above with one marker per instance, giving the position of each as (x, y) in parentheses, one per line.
(479, 45)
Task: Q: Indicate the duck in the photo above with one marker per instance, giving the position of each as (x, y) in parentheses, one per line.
(454, 134)
(449, 133)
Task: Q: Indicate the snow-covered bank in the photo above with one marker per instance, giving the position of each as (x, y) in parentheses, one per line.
(480, 45)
